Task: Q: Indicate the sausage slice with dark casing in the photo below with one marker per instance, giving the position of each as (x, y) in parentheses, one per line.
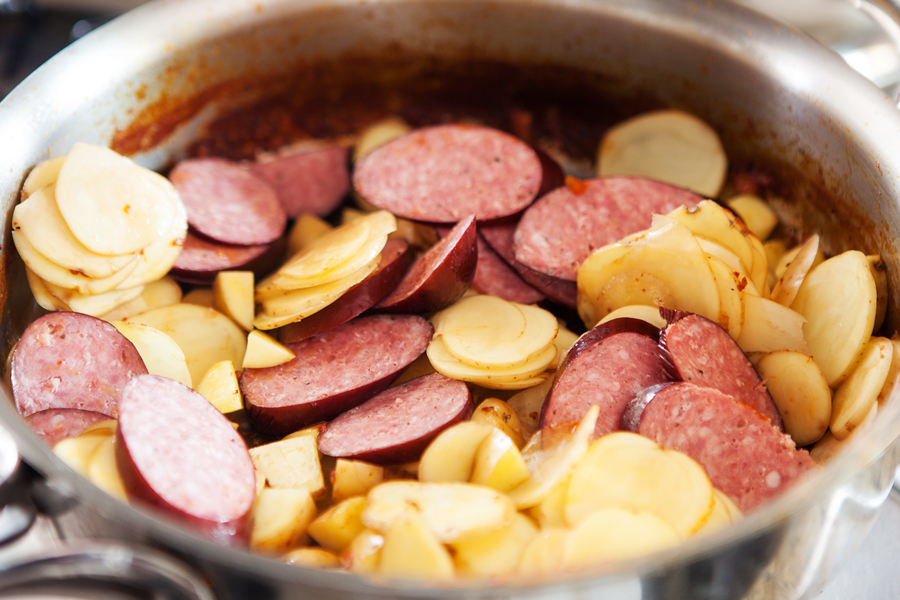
(442, 174)
(494, 277)
(71, 360)
(395, 260)
(395, 426)
(307, 179)
(200, 259)
(607, 367)
(552, 175)
(333, 371)
(499, 235)
(227, 203)
(703, 353)
(55, 424)
(176, 451)
(439, 277)
(743, 454)
(559, 231)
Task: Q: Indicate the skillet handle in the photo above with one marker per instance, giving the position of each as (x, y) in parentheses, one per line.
(886, 14)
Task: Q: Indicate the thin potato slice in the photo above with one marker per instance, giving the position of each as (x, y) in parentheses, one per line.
(839, 299)
(412, 551)
(719, 517)
(199, 297)
(769, 326)
(668, 145)
(759, 272)
(829, 446)
(160, 353)
(156, 294)
(102, 470)
(264, 351)
(42, 175)
(859, 392)
(220, 386)
(454, 512)
(731, 284)
(710, 221)
(756, 214)
(451, 455)
(77, 451)
(306, 229)
(371, 251)
(616, 534)
(549, 467)
(43, 226)
(499, 415)
(93, 304)
(544, 553)
(42, 294)
(497, 553)
(642, 478)
(650, 314)
(312, 557)
(788, 256)
(112, 205)
(788, 285)
(206, 336)
(893, 376)
(447, 364)
(233, 296)
(800, 392)
(879, 274)
(155, 260)
(551, 512)
(378, 134)
(498, 463)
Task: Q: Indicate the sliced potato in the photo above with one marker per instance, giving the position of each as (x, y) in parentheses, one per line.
(200, 297)
(498, 463)
(446, 363)
(102, 470)
(280, 519)
(756, 214)
(839, 300)
(640, 478)
(451, 455)
(264, 351)
(731, 284)
(710, 221)
(292, 463)
(829, 446)
(769, 326)
(879, 274)
(551, 466)
(668, 145)
(412, 551)
(544, 553)
(306, 229)
(157, 259)
(644, 312)
(893, 376)
(93, 304)
(42, 294)
(788, 256)
(160, 353)
(800, 392)
(498, 414)
(78, 451)
(156, 294)
(312, 557)
(233, 296)
(788, 285)
(112, 205)
(719, 517)
(616, 534)
(364, 553)
(497, 553)
(854, 398)
(335, 528)
(354, 478)
(453, 511)
(205, 335)
(220, 386)
(563, 341)
(378, 134)
(42, 175)
(40, 221)
(551, 512)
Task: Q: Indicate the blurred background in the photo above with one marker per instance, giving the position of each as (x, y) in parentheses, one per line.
(31, 31)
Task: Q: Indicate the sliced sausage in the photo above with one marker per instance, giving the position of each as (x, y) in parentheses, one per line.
(606, 367)
(494, 277)
(200, 259)
(703, 353)
(175, 451)
(559, 231)
(395, 260)
(439, 277)
(71, 360)
(395, 426)
(55, 424)
(307, 181)
(743, 454)
(442, 174)
(227, 203)
(499, 236)
(333, 371)
(552, 175)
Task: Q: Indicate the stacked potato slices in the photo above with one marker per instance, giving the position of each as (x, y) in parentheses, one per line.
(493, 342)
(94, 228)
(320, 273)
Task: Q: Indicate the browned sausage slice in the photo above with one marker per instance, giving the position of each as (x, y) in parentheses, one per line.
(743, 454)
(309, 181)
(55, 424)
(559, 231)
(606, 367)
(175, 451)
(333, 371)
(442, 174)
(494, 277)
(394, 261)
(201, 259)
(227, 203)
(439, 277)
(395, 426)
(70, 360)
(703, 353)
(499, 235)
